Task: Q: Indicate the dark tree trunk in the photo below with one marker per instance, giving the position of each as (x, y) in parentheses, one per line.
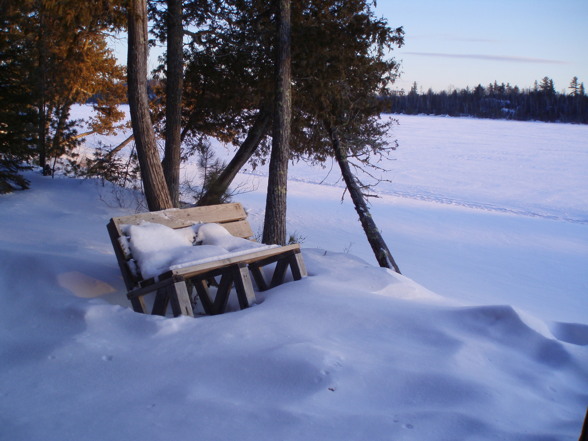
(274, 230)
(154, 184)
(62, 115)
(173, 110)
(245, 151)
(42, 128)
(56, 146)
(379, 247)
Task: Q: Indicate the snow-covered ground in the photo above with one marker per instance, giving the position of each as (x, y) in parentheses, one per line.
(484, 338)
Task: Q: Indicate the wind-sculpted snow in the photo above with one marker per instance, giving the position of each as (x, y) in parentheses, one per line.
(575, 333)
(352, 352)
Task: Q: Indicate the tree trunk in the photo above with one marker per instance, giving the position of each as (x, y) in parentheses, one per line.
(62, 114)
(379, 247)
(156, 191)
(42, 128)
(173, 110)
(245, 151)
(274, 230)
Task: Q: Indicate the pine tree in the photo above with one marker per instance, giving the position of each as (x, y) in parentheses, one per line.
(17, 107)
(338, 66)
(546, 86)
(574, 87)
(326, 41)
(57, 53)
(171, 21)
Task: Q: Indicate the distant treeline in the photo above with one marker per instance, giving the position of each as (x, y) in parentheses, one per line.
(500, 101)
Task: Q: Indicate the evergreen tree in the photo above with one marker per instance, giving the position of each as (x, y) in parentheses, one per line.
(55, 55)
(338, 67)
(541, 102)
(546, 86)
(17, 107)
(574, 87)
(220, 96)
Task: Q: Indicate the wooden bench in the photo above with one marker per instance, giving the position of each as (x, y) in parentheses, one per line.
(175, 287)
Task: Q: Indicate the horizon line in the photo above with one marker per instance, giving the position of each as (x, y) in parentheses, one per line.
(487, 57)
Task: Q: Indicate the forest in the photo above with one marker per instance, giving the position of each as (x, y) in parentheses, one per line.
(279, 80)
(499, 101)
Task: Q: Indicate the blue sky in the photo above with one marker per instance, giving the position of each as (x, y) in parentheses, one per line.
(459, 43)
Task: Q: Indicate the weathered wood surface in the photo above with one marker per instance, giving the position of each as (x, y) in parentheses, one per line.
(173, 288)
(225, 214)
(246, 259)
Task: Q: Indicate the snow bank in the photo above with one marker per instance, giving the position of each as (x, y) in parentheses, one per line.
(352, 352)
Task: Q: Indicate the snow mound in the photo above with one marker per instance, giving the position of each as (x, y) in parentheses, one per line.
(575, 333)
(352, 352)
(217, 235)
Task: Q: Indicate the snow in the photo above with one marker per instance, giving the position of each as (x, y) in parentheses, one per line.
(154, 246)
(158, 248)
(217, 235)
(485, 337)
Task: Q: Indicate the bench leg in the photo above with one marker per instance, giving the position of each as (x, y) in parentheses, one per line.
(203, 294)
(297, 266)
(139, 305)
(181, 303)
(223, 291)
(280, 271)
(257, 273)
(292, 259)
(243, 286)
(161, 301)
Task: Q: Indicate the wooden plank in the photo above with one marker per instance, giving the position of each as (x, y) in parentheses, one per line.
(222, 293)
(178, 218)
(239, 229)
(180, 301)
(297, 266)
(161, 301)
(138, 305)
(243, 286)
(114, 233)
(203, 294)
(257, 273)
(252, 257)
(138, 292)
(280, 271)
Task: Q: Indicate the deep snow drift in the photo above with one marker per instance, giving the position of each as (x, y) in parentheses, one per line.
(353, 352)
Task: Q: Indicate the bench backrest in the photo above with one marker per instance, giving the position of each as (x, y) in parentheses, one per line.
(232, 216)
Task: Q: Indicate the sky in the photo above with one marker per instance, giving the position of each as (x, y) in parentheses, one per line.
(459, 43)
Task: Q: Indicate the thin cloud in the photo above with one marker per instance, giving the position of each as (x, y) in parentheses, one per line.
(452, 37)
(488, 57)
